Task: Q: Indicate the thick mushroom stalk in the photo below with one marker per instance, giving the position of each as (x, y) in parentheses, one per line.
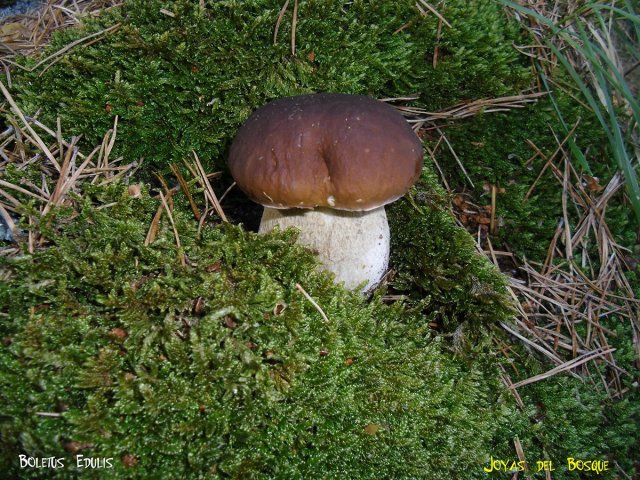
(352, 245)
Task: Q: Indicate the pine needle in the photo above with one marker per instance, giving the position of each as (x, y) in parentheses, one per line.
(312, 301)
(209, 192)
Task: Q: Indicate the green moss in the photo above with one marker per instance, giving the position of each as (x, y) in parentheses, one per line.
(187, 370)
(189, 81)
(192, 370)
(241, 390)
(498, 149)
(437, 264)
(576, 418)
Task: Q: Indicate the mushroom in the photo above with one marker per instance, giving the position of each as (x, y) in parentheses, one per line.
(327, 164)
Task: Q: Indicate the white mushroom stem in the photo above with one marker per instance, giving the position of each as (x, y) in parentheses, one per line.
(353, 245)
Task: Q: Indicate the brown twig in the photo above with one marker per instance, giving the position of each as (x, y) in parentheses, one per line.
(279, 21)
(185, 189)
(173, 226)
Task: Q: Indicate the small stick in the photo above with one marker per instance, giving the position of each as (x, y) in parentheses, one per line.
(280, 17)
(185, 189)
(294, 23)
(59, 138)
(434, 11)
(571, 364)
(308, 297)
(437, 47)
(492, 222)
(51, 132)
(227, 191)
(532, 344)
(22, 190)
(209, 189)
(153, 228)
(31, 236)
(520, 453)
(7, 219)
(622, 471)
(112, 140)
(73, 44)
(166, 189)
(506, 379)
(456, 157)
(550, 159)
(203, 218)
(432, 155)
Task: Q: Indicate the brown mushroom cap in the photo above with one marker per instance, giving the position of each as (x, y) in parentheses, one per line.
(347, 152)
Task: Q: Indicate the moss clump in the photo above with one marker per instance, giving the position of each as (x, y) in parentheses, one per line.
(437, 264)
(577, 418)
(221, 366)
(189, 81)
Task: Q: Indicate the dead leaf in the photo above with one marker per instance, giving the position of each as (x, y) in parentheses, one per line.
(198, 306)
(129, 460)
(214, 267)
(74, 447)
(280, 307)
(118, 333)
(134, 191)
(592, 184)
(372, 429)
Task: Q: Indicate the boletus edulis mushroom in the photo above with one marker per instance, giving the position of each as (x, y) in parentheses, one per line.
(327, 164)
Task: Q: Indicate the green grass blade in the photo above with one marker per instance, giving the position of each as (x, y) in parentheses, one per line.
(577, 153)
(623, 159)
(608, 80)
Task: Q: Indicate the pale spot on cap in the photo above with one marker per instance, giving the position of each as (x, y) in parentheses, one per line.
(331, 200)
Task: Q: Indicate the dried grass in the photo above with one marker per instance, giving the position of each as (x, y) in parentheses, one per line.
(423, 119)
(64, 167)
(596, 44)
(563, 302)
(581, 282)
(28, 33)
(294, 22)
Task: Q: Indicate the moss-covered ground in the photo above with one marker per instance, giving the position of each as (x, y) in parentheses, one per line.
(219, 366)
